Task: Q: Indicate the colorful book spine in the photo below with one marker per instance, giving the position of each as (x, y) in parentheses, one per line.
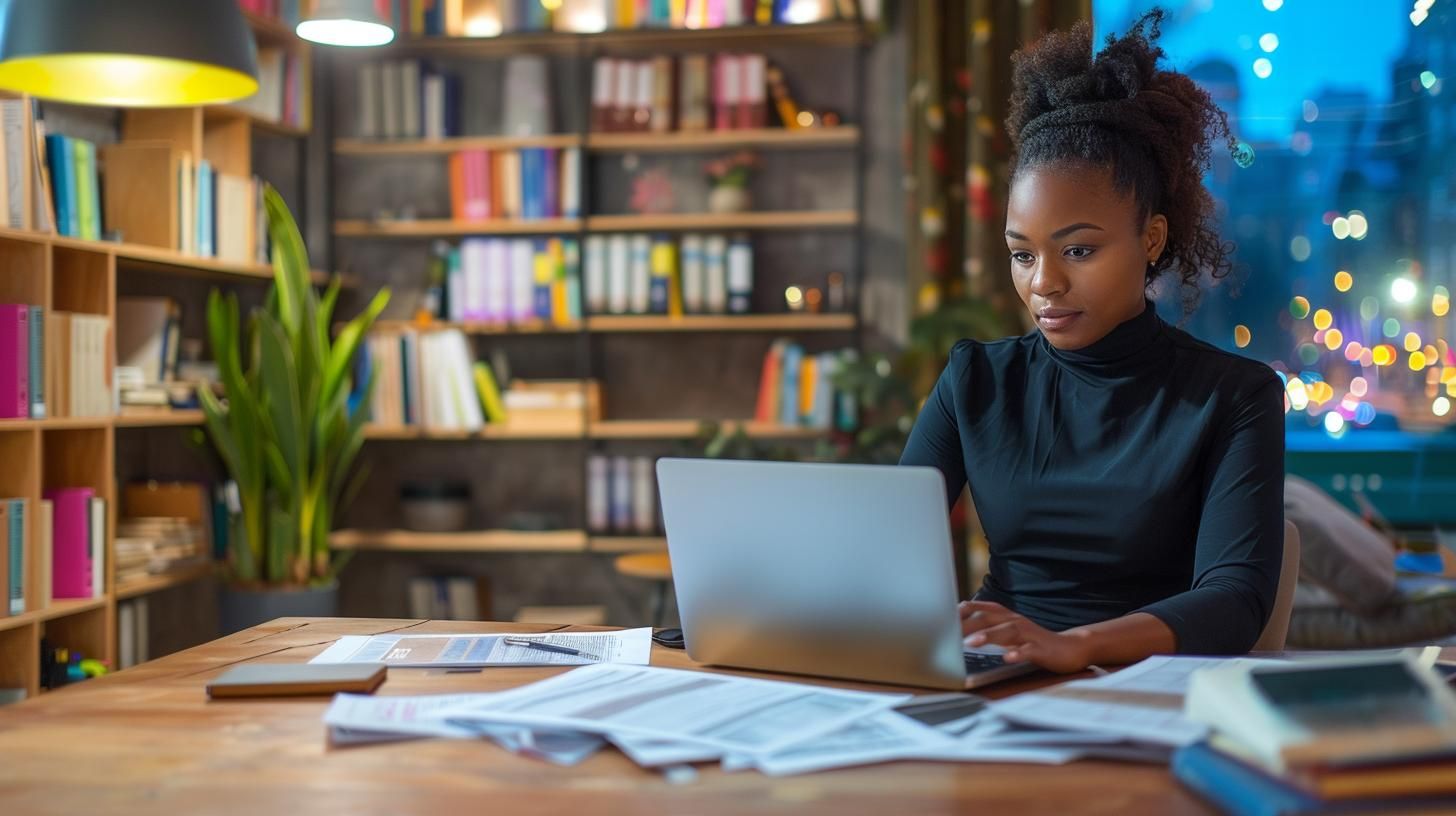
(14, 361)
(72, 570)
(663, 267)
(204, 220)
(490, 396)
(740, 276)
(550, 182)
(789, 384)
(88, 194)
(16, 520)
(37, 363)
(62, 163)
(769, 381)
(543, 275)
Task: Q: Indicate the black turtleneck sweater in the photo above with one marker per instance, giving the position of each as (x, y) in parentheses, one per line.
(1143, 473)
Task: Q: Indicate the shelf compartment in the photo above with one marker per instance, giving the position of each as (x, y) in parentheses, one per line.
(691, 428)
(770, 220)
(442, 227)
(627, 544)
(157, 583)
(504, 541)
(423, 147)
(844, 136)
(721, 323)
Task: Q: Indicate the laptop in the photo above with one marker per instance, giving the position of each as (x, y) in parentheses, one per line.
(820, 569)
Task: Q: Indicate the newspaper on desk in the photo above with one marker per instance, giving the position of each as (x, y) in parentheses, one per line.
(668, 718)
(632, 646)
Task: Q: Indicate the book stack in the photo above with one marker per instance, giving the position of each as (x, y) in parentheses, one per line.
(528, 184)
(283, 89)
(148, 348)
(22, 361)
(133, 640)
(622, 495)
(651, 274)
(408, 99)
(284, 11)
(796, 388)
(429, 380)
(75, 369)
(78, 541)
(502, 281)
(695, 92)
(14, 523)
(444, 598)
(75, 186)
(157, 545)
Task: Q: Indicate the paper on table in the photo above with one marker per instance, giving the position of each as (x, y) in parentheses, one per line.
(882, 737)
(1158, 725)
(405, 716)
(650, 752)
(734, 714)
(1161, 675)
(630, 646)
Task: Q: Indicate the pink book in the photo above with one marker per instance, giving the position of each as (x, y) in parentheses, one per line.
(482, 171)
(71, 565)
(725, 81)
(14, 361)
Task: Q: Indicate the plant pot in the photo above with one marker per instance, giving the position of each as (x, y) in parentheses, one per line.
(239, 609)
(728, 198)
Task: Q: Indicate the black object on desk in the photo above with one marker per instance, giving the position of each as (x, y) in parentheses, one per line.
(669, 638)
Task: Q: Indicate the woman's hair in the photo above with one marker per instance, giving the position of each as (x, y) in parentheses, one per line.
(1154, 128)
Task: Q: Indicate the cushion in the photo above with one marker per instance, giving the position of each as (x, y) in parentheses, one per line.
(1424, 611)
(1339, 552)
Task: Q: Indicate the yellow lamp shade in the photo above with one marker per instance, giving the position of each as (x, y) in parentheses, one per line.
(140, 53)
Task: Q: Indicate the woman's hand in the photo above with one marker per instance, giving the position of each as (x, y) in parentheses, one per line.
(985, 623)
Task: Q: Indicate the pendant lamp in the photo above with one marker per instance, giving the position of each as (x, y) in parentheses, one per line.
(128, 53)
(354, 23)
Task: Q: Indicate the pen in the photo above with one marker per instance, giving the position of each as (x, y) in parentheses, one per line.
(548, 647)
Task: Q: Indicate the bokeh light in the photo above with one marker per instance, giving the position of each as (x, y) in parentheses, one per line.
(1341, 228)
(1298, 396)
(1369, 308)
(1299, 307)
(1270, 41)
(1412, 341)
(1359, 225)
(1403, 290)
(1367, 357)
(1391, 328)
(1242, 336)
(1428, 78)
(1417, 361)
(1323, 319)
(1309, 353)
(1334, 423)
(1343, 281)
(1384, 355)
(1334, 339)
(1441, 406)
(1299, 248)
(1440, 301)
(1359, 386)
(1353, 350)
(1263, 67)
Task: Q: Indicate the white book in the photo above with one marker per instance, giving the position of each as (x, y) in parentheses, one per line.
(598, 500)
(234, 213)
(621, 494)
(437, 405)
(715, 274)
(434, 113)
(369, 102)
(693, 284)
(472, 264)
(503, 278)
(455, 291)
(740, 276)
(12, 122)
(422, 598)
(644, 497)
(596, 274)
(604, 75)
(98, 548)
(732, 14)
(413, 361)
(755, 84)
(640, 275)
(644, 84)
(730, 77)
(519, 259)
(619, 265)
(187, 205)
(463, 604)
(527, 95)
(409, 89)
(391, 112)
(570, 193)
(462, 385)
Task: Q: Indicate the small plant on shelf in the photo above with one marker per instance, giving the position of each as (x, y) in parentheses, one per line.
(286, 432)
(729, 177)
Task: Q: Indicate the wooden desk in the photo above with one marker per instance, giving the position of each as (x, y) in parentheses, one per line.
(147, 740)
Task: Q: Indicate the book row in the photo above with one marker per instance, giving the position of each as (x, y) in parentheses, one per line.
(284, 90)
(489, 18)
(70, 530)
(797, 388)
(53, 364)
(416, 99)
(504, 281)
(429, 379)
(695, 92)
(529, 184)
(646, 274)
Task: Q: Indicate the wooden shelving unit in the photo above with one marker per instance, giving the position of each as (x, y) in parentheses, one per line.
(258, 123)
(426, 147)
(499, 541)
(844, 136)
(444, 227)
(691, 428)
(156, 583)
(533, 327)
(736, 38)
(498, 433)
(626, 544)
(158, 418)
(721, 323)
(677, 222)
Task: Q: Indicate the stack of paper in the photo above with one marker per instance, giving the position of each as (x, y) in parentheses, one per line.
(668, 718)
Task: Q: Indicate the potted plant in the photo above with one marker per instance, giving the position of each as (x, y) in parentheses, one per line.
(286, 433)
(729, 176)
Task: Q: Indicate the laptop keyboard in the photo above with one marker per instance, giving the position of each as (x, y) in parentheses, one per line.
(978, 662)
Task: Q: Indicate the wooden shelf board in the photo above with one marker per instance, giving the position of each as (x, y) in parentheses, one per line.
(489, 432)
(264, 124)
(689, 428)
(157, 583)
(364, 147)
(158, 418)
(626, 544)
(786, 219)
(54, 423)
(721, 323)
(166, 260)
(635, 39)
(437, 227)
(475, 541)
(57, 609)
(534, 327)
(843, 136)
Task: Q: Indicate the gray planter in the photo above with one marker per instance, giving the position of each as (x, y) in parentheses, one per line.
(239, 609)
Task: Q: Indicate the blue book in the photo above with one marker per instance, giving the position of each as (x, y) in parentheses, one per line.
(37, 363)
(659, 14)
(434, 19)
(789, 384)
(363, 368)
(531, 182)
(204, 208)
(1238, 789)
(63, 184)
(452, 105)
(550, 183)
(406, 375)
(16, 535)
(542, 274)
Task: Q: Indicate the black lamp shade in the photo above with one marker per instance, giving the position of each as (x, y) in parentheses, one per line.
(142, 53)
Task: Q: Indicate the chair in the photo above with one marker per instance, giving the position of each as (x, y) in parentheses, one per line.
(1272, 639)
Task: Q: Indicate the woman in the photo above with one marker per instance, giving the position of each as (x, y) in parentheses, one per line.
(1129, 477)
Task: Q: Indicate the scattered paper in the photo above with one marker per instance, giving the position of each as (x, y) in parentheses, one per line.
(628, 646)
(359, 714)
(1151, 724)
(1161, 675)
(884, 737)
(734, 714)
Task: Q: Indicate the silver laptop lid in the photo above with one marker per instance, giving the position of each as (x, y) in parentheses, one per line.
(833, 570)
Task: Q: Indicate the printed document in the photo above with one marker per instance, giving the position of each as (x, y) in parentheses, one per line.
(629, 646)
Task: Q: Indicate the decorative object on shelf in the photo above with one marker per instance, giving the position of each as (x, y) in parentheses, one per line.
(144, 53)
(349, 23)
(288, 432)
(652, 192)
(435, 506)
(729, 176)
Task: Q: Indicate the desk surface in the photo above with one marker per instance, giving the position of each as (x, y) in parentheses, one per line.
(147, 740)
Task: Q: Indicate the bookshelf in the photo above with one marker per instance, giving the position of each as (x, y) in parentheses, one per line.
(736, 38)
(789, 322)
(62, 274)
(501, 541)
(445, 227)
(843, 136)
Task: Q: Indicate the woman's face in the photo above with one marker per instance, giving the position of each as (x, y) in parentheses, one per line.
(1079, 251)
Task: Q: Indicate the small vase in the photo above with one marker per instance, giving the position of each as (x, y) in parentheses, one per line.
(728, 198)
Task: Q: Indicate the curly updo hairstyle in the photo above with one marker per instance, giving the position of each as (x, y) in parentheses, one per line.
(1154, 128)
